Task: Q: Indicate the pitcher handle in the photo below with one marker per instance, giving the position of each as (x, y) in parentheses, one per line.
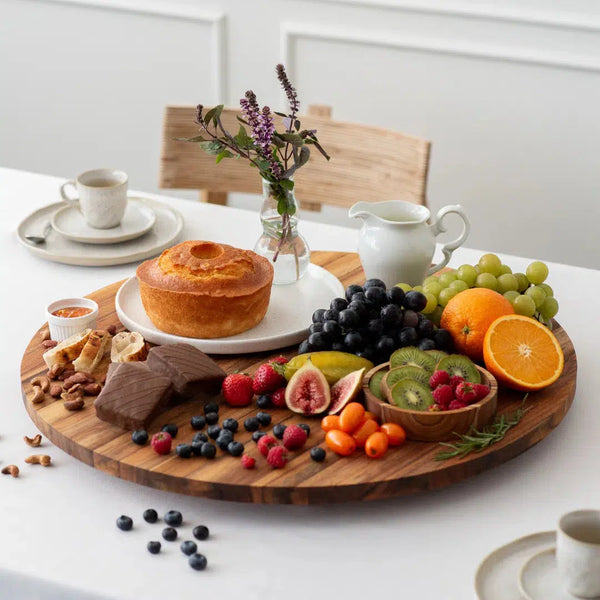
(437, 227)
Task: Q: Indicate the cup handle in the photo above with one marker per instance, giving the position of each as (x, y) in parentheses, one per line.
(64, 194)
(437, 227)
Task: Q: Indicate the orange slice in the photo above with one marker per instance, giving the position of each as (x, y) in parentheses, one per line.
(522, 353)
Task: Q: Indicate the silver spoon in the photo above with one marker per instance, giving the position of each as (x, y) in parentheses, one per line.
(40, 239)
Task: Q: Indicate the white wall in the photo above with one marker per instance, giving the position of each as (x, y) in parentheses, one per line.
(509, 93)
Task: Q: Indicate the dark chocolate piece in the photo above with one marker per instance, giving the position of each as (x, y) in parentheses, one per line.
(133, 396)
(193, 373)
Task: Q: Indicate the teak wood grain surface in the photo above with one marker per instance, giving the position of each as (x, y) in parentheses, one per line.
(404, 470)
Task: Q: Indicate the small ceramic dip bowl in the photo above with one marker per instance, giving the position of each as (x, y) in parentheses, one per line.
(69, 316)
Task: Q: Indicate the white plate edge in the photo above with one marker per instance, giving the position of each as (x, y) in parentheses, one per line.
(522, 589)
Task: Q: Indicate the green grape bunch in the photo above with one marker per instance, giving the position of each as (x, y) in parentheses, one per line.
(528, 292)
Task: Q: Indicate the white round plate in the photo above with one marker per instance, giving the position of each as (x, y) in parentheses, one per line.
(138, 219)
(286, 322)
(539, 578)
(497, 577)
(166, 230)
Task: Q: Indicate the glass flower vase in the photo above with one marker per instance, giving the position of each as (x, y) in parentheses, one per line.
(289, 254)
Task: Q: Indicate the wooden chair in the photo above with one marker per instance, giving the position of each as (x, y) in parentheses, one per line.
(367, 163)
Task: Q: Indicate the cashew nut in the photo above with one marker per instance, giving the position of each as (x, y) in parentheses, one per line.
(11, 470)
(49, 344)
(45, 334)
(42, 382)
(38, 459)
(92, 389)
(38, 395)
(78, 378)
(34, 442)
(56, 390)
(74, 404)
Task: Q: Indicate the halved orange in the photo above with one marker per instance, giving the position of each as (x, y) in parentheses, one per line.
(522, 353)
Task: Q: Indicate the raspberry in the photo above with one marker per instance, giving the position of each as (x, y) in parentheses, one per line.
(265, 443)
(237, 389)
(455, 380)
(465, 393)
(161, 442)
(248, 462)
(277, 457)
(480, 390)
(443, 395)
(278, 397)
(294, 437)
(267, 380)
(456, 404)
(439, 378)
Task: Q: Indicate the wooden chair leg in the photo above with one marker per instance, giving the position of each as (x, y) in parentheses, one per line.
(213, 197)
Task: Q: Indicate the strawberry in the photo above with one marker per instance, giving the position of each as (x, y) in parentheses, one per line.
(481, 391)
(465, 393)
(455, 404)
(265, 443)
(248, 462)
(294, 437)
(277, 457)
(455, 380)
(443, 395)
(280, 360)
(267, 380)
(161, 442)
(237, 389)
(439, 378)
(278, 398)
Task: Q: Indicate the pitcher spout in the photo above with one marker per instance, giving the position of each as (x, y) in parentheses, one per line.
(360, 210)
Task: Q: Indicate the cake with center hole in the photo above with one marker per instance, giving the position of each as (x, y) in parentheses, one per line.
(202, 289)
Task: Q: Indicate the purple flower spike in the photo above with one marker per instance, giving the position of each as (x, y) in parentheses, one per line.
(289, 89)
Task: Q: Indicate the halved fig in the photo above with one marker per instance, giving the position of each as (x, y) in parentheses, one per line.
(307, 392)
(345, 390)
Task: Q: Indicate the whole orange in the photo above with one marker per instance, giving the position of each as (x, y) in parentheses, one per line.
(469, 315)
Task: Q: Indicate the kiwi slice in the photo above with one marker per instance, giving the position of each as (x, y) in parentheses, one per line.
(375, 383)
(406, 372)
(411, 395)
(437, 354)
(457, 364)
(414, 357)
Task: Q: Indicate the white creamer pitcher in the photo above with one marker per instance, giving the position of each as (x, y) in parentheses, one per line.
(396, 243)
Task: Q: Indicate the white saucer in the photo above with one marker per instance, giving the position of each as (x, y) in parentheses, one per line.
(539, 579)
(286, 322)
(497, 577)
(57, 248)
(137, 220)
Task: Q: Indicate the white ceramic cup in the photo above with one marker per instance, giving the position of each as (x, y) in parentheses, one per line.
(102, 196)
(578, 552)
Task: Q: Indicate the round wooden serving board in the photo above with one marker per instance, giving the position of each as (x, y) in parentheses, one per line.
(404, 470)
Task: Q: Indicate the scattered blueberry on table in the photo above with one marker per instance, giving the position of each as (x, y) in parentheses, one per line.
(169, 534)
(212, 418)
(153, 547)
(317, 454)
(139, 437)
(170, 428)
(150, 515)
(235, 448)
(263, 418)
(263, 401)
(183, 450)
(124, 523)
(305, 427)
(278, 430)
(173, 518)
(201, 532)
(188, 547)
(211, 407)
(208, 450)
(230, 424)
(257, 435)
(213, 431)
(251, 424)
(198, 422)
(198, 562)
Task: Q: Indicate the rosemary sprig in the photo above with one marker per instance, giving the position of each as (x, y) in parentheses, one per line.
(477, 440)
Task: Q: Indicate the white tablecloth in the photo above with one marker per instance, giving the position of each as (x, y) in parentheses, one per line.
(58, 523)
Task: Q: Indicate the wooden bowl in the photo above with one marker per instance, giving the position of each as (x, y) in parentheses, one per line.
(439, 426)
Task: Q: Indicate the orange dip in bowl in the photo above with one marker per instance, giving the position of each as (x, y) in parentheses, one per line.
(70, 312)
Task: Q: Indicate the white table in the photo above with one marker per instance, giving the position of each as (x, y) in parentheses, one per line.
(58, 523)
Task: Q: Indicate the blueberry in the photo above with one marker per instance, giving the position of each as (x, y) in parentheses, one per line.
(374, 283)
(415, 300)
(257, 435)
(360, 308)
(124, 523)
(153, 547)
(169, 534)
(368, 352)
(391, 316)
(198, 422)
(235, 448)
(251, 424)
(230, 424)
(263, 418)
(425, 328)
(197, 447)
(173, 518)
(338, 346)
(213, 431)
(331, 314)
(351, 290)
(278, 430)
(348, 319)
(317, 454)
(359, 297)
(211, 407)
(201, 532)
(200, 437)
(395, 295)
(376, 296)
(411, 318)
(183, 450)
(332, 329)
(302, 349)
(224, 439)
(426, 344)
(170, 428)
(408, 336)
(338, 304)
(315, 328)
(139, 436)
(317, 341)
(353, 341)
(385, 346)
(375, 328)
(443, 340)
(208, 450)
(188, 547)
(198, 562)
(150, 515)
(305, 427)
(318, 315)
(265, 401)
(212, 418)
